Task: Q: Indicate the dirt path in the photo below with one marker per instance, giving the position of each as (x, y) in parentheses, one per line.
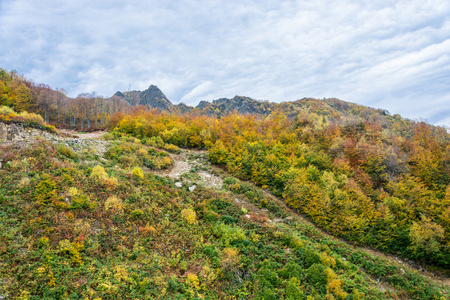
(83, 136)
(193, 168)
(79, 141)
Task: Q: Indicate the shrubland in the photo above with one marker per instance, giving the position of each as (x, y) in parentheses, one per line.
(359, 173)
(87, 227)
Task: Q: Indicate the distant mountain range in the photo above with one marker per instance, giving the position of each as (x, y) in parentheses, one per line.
(153, 97)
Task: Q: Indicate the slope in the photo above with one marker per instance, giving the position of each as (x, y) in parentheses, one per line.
(76, 224)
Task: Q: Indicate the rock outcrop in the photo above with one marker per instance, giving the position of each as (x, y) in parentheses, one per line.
(17, 132)
(239, 104)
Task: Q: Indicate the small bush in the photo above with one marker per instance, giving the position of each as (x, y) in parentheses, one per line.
(142, 151)
(228, 219)
(43, 242)
(5, 110)
(172, 148)
(211, 216)
(66, 151)
(310, 257)
(293, 291)
(81, 201)
(99, 172)
(100, 175)
(72, 250)
(127, 160)
(316, 275)
(136, 214)
(290, 270)
(73, 191)
(189, 216)
(229, 233)
(138, 173)
(114, 205)
(192, 280)
(210, 251)
(147, 230)
(155, 141)
(32, 117)
(229, 258)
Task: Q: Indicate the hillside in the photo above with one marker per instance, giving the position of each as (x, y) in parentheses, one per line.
(235, 198)
(357, 172)
(79, 221)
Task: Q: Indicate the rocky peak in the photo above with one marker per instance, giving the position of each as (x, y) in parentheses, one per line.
(154, 98)
(240, 104)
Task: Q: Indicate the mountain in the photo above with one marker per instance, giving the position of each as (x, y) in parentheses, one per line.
(152, 97)
(333, 108)
(242, 105)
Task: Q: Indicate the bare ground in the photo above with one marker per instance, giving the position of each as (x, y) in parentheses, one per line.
(83, 136)
(192, 167)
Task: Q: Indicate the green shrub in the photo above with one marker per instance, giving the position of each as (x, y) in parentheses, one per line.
(81, 201)
(155, 141)
(230, 181)
(310, 257)
(210, 251)
(316, 275)
(172, 148)
(136, 214)
(228, 219)
(66, 151)
(291, 269)
(293, 291)
(228, 233)
(211, 216)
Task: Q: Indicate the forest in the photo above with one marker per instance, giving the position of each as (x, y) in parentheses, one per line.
(81, 224)
(86, 111)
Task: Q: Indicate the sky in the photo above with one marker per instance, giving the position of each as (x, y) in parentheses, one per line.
(385, 54)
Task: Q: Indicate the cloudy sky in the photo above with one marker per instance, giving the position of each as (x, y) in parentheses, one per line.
(386, 54)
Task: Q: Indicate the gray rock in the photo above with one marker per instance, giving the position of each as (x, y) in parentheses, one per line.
(154, 98)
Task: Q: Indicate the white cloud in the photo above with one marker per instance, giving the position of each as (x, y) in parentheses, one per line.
(393, 53)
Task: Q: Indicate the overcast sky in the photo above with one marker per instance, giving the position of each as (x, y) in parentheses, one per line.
(385, 54)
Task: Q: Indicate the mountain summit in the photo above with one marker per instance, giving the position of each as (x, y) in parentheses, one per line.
(152, 97)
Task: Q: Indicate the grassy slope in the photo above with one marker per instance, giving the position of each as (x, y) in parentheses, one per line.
(160, 241)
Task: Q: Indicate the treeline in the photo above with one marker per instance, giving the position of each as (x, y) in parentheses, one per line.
(359, 173)
(86, 111)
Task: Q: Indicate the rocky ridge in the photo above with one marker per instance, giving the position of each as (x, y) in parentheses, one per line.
(153, 97)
